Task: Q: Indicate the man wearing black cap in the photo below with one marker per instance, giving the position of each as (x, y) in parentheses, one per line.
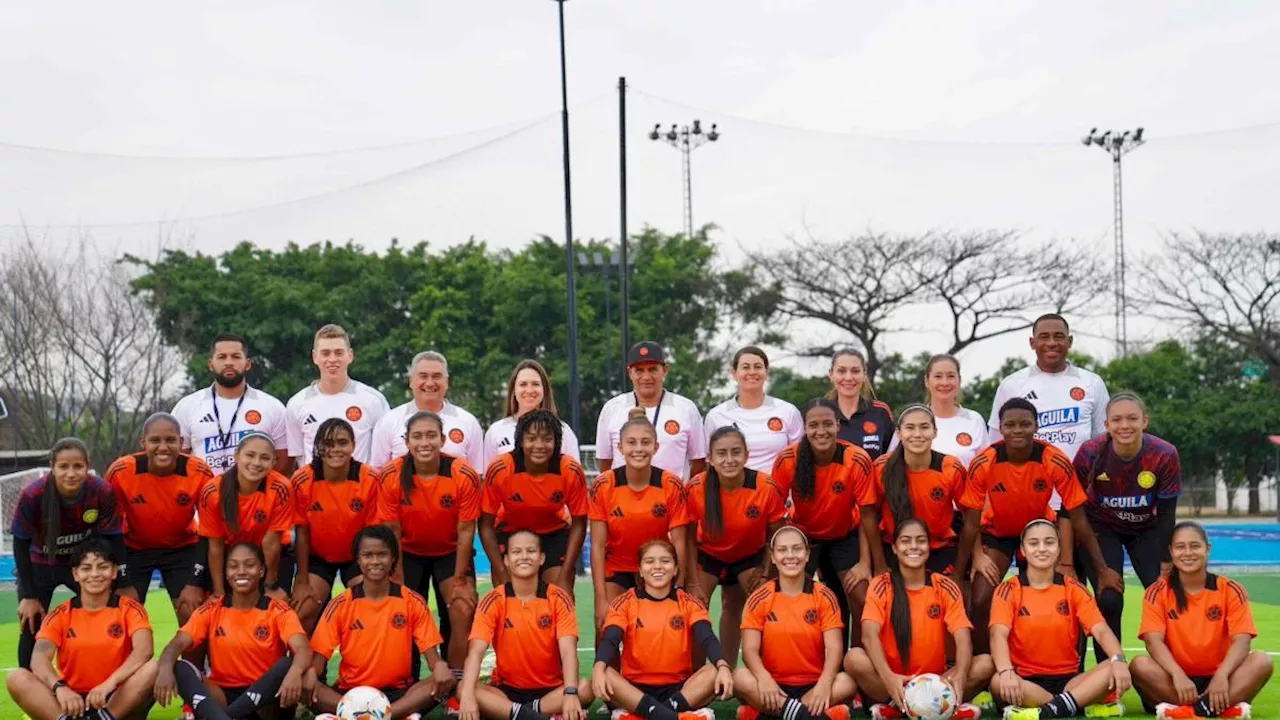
(681, 443)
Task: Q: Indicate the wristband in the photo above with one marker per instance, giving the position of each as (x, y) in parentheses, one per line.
(59, 684)
(1001, 672)
(570, 690)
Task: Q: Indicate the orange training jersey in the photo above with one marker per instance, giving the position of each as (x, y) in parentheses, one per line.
(270, 508)
(791, 628)
(335, 511)
(1011, 496)
(841, 488)
(243, 644)
(1199, 636)
(525, 636)
(520, 501)
(657, 634)
(746, 512)
(92, 644)
(159, 511)
(934, 493)
(937, 610)
(430, 513)
(375, 637)
(1044, 624)
(634, 517)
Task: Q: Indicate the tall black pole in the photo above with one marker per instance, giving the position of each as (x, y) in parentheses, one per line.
(622, 214)
(575, 411)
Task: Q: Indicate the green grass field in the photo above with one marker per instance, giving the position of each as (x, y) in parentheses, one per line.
(1264, 592)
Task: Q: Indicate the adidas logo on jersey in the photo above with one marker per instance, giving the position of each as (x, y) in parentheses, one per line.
(617, 512)
(508, 624)
(220, 632)
(357, 625)
(771, 617)
(1024, 612)
(138, 500)
(315, 507)
(311, 420)
(208, 418)
(1173, 614)
(639, 623)
(999, 488)
(515, 498)
(505, 442)
(1030, 396)
(71, 632)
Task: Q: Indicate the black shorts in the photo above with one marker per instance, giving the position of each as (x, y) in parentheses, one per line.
(177, 567)
(554, 547)
(941, 560)
(662, 693)
(839, 554)
(200, 578)
(1201, 681)
(424, 572)
(45, 580)
(624, 580)
(795, 692)
(727, 572)
(1008, 546)
(524, 696)
(329, 572)
(1053, 684)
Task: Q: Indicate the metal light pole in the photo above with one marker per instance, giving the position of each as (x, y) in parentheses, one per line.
(575, 411)
(610, 263)
(624, 289)
(686, 139)
(1117, 145)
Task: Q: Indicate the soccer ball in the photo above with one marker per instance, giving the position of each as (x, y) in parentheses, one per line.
(364, 703)
(929, 697)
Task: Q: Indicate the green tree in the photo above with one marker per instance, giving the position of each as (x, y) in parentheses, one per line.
(797, 389)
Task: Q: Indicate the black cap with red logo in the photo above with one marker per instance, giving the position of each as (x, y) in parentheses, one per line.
(646, 351)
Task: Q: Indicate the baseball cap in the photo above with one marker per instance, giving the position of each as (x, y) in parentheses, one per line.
(646, 351)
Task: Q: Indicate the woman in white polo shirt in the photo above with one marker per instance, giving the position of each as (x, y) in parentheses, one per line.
(528, 388)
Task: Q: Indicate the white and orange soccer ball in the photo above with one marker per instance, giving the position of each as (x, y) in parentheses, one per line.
(364, 703)
(929, 697)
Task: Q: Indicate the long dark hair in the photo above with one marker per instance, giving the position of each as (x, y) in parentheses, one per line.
(806, 462)
(900, 610)
(531, 421)
(713, 523)
(50, 505)
(1175, 575)
(897, 486)
(229, 489)
(406, 466)
(325, 436)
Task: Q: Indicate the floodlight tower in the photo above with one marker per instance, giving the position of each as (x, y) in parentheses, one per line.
(686, 139)
(1117, 145)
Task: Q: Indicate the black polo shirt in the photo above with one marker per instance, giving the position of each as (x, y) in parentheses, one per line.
(871, 427)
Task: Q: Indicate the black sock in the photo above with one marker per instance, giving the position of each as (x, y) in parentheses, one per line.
(680, 703)
(1061, 706)
(650, 709)
(793, 709)
(194, 693)
(1202, 707)
(525, 711)
(262, 692)
(105, 714)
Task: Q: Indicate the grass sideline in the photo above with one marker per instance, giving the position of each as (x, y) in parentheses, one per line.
(1264, 592)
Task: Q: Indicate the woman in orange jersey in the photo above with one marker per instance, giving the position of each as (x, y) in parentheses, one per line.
(629, 506)
(431, 501)
(1009, 485)
(1036, 622)
(829, 481)
(538, 488)
(156, 491)
(375, 627)
(335, 496)
(657, 680)
(534, 634)
(910, 614)
(102, 644)
(1199, 629)
(916, 481)
(736, 510)
(258, 653)
(792, 642)
(253, 503)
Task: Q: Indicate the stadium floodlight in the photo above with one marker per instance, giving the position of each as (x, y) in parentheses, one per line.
(686, 139)
(1117, 145)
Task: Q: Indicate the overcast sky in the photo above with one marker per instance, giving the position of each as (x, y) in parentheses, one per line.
(211, 123)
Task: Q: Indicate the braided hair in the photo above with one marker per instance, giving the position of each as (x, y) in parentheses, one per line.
(537, 420)
(326, 435)
(806, 461)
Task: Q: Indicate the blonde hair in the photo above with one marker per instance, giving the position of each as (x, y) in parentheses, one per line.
(866, 391)
(330, 331)
(928, 368)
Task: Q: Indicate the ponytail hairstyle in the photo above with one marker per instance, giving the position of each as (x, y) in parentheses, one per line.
(806, 462)
(229, 489)
(156, 417)
(636, 417)
(928, 368)
(1175, 575)
(897, 486)
(406, 465)
(536, 420)
(326, 436)
(867, 392)
(1095, 467)
(713, 522)
(50, 504)
(900, 610)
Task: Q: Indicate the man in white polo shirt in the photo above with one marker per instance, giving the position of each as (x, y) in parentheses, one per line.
(212, 420)
(335, 394)
(429, 383)
(682, 444)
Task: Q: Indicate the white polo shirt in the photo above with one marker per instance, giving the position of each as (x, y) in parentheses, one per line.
(357, 403)
(463, 436)
(769, 429)
(962, 436)
(677, 420)
(211, 427)
(500, 439)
